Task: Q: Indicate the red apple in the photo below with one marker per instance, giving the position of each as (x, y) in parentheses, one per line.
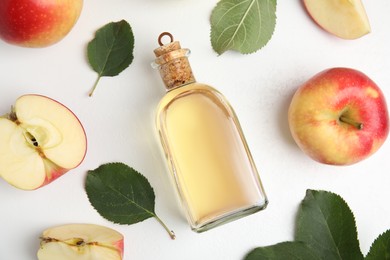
(346, 19)
(37, 23)
(339, 117)
(40, 140)
(81, 241)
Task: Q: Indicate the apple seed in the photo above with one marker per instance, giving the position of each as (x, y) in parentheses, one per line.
(31, 139)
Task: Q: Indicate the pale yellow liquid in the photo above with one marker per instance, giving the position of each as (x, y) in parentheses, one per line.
(206, 151)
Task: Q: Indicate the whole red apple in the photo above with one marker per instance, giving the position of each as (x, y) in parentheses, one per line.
(339, 117)
(37, 23)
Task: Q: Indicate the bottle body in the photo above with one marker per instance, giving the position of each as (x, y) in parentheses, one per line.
(208, 157)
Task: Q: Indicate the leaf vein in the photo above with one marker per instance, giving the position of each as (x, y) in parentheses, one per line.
(242, 21)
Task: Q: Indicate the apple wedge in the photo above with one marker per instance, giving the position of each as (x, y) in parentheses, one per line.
(81, 241)
(40, 140)
(346, 19)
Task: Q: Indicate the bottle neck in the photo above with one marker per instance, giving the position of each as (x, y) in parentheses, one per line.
(176, 73)
(172, 62)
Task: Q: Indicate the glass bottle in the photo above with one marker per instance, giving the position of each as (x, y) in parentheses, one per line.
(206, 152)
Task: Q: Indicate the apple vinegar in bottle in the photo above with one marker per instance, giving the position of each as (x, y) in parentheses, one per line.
(206, 152)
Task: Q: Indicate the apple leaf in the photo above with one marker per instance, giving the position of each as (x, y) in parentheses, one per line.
(286, 250)
(111, 51)
(121, 194)
(326, 229)
(242, 25)
(380, 249)
(327, 225)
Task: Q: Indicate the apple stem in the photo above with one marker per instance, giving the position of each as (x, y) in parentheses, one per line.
(349, 121)
(12, 116)
(95, 85)
(170, 232)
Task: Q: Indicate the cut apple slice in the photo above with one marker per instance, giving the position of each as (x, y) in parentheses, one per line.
(81, 241)
(41, 140)
(346, 19)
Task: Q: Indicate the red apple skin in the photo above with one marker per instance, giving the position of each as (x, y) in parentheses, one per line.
(316, 108)
(53, 171)
(120, 246)
(52, 175)
(37, 23)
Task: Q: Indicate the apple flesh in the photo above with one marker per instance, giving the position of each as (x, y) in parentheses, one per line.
(40, 140)
(81, 241)
(37, 23)
(346, 19)
(339, 117)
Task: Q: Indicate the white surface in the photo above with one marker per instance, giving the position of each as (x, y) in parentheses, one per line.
(119, 125)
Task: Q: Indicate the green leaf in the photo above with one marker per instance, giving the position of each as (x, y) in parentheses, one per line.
(327, 225)
(111, 51)
(380, 249)
(242, 25)
(121, 194)
(282, 251)
(326, 229)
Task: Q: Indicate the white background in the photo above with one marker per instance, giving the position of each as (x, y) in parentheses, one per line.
(119, 125)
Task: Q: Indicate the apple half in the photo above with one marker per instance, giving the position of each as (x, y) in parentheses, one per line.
(40, 140)
(81, 241)
(346, 19)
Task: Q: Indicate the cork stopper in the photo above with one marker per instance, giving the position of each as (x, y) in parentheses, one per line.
(172, 62)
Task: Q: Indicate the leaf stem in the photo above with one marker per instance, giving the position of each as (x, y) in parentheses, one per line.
(170, 232)
(95, 85)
